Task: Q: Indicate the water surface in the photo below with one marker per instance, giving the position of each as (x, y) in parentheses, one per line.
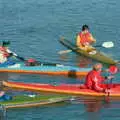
(34, 28)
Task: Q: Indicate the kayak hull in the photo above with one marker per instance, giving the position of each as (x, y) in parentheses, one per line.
(99, 56)
(24, 101)
(47, 70)
(71, 89)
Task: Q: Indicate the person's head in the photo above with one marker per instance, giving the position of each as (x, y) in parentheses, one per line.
(5, 43)
(97, 67)
(85, 28)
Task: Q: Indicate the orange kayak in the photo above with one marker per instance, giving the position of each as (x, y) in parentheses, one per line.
(70, 89)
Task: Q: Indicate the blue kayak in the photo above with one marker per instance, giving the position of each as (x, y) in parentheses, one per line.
(57, 69)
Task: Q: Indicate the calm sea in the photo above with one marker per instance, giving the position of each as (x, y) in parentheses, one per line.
(34, 28)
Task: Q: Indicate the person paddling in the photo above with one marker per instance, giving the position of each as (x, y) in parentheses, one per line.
(85, 39)
(94, 79)
(5, 53)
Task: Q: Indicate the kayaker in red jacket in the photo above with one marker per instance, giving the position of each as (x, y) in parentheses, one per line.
(85, 39)
(94, 79)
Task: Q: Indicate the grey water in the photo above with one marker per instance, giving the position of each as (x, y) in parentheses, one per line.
(34, 28)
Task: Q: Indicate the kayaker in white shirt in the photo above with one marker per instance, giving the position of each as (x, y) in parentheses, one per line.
(5, 53)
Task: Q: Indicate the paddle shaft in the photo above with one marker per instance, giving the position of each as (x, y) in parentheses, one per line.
(108, 93)
(109, 86)
(38, 62)
(104, 44)
(76, 48)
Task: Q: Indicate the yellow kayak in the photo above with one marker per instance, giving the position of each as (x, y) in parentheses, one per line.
(98, 56)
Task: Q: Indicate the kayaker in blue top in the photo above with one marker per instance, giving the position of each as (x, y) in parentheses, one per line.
(5, 53)
(4, 96)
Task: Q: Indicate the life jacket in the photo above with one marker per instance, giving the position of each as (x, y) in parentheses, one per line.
(85, 37)
(4, 51)
(94, 81)
(3, 54)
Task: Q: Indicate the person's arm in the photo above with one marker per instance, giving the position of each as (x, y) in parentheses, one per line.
(97, 84)
(78, 44)
(93, 40)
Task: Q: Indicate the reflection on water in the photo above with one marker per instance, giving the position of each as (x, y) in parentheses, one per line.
(83, 62)
(2, 113)
(3, 76)
(93, 116)
(97, 109)
(80, 61)
(92, 106)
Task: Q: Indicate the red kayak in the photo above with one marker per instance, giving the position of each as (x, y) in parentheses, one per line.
(71, 89)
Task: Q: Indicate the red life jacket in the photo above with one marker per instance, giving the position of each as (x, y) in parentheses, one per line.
(94, 81)
(85, 37)
(3, 51)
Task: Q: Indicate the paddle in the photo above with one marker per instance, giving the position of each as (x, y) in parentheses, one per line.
(108, 44)
(20, 58)
(38, 62)
(112, 70)
(15, 55)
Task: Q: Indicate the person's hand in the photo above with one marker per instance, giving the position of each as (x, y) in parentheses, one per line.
(106, 70)
(107, 90)
(86, 44)
(93, 41)
(110, 77)
(10, 54)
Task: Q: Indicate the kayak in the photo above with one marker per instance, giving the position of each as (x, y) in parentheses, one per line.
(98, 56)
(46, 69)
(23, 101)
(70, 89)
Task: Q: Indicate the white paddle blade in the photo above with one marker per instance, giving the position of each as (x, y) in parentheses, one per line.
(108, 44)
(64, 51)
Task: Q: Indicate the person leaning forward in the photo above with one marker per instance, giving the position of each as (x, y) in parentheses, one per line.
(94, 79)
(85, 39)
